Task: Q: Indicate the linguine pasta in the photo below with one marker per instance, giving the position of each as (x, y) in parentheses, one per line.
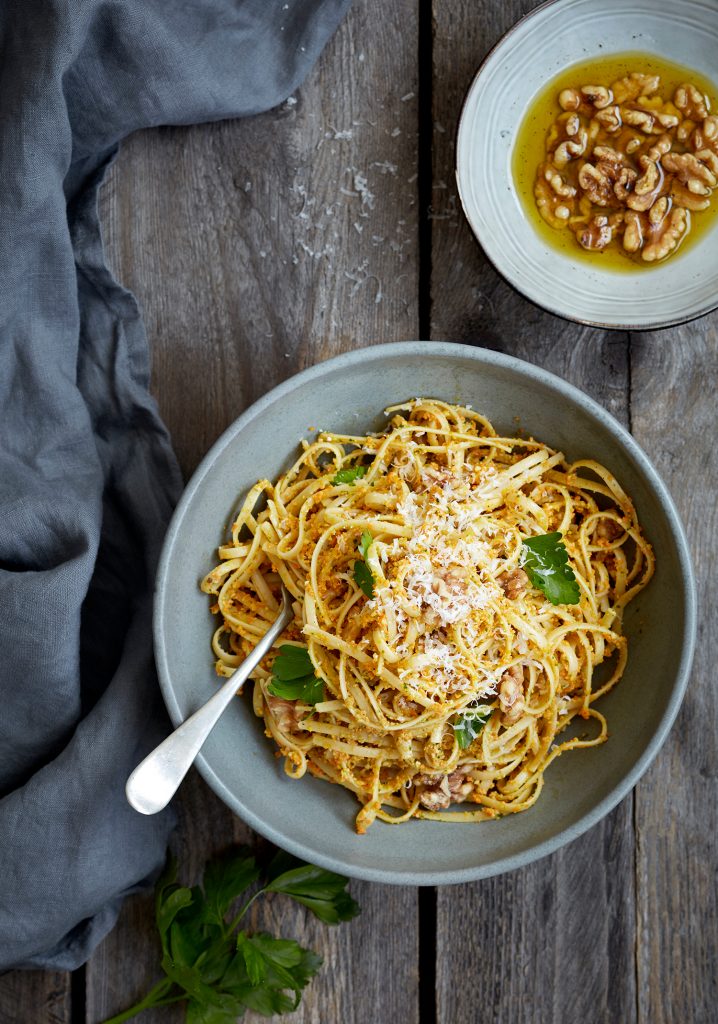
(448, 674)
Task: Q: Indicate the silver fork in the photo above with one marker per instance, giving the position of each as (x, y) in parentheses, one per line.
(155, 780)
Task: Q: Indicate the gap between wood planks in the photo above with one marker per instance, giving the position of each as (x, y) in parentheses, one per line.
(427, 898)
(78, 1001)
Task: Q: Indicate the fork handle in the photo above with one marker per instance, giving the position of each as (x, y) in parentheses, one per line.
(155, 780)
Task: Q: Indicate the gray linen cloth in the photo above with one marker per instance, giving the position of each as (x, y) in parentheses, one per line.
(87, 474)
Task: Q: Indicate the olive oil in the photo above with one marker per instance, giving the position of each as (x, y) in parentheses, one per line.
(530, 151)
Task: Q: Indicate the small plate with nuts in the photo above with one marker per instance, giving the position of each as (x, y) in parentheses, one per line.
(587, 160)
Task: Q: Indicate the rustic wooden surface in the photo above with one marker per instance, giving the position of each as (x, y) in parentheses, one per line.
(556, 939)
(259, 247)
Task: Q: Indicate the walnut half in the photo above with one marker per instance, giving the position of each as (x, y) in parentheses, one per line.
(633, 86)
(691, 101)
(671, 231)
(694, 173)
(597, 234)
(555, 198)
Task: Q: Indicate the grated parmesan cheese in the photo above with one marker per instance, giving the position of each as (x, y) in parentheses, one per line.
(444, 571)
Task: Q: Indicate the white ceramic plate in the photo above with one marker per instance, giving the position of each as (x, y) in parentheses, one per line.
(546, 42)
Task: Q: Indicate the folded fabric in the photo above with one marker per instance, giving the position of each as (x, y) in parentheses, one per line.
(87, 474)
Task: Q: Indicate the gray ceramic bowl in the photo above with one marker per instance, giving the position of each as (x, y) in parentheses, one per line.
(314, 819)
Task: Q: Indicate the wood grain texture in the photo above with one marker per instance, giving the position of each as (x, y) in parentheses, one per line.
(42, 997)
(125, 966)
(674, 381)
(553, 941)
(256, 248)
(471, 303)
(259, 247)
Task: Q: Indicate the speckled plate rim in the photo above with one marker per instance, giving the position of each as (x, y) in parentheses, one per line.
(420, 350)
(626, 326)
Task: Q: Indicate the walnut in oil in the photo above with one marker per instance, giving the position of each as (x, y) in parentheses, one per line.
(616, 160)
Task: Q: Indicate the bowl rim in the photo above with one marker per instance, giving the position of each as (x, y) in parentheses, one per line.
(530, 372)
(655, 325)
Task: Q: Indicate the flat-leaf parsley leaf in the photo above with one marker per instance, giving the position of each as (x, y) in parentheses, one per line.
(362, 573)
(470, 722)
(545, 559)
(293, 676)
(323, 892)
(349, 475)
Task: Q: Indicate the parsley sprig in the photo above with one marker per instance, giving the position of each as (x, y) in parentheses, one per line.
(362, 573)
(545, 559)
(468, 725)
(293, 676)
(349, 475)
(219, 970)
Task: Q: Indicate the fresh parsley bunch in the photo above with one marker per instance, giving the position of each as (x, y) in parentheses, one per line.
(220, 970)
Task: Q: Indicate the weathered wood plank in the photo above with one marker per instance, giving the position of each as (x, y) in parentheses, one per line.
(470, 302)
(257, 248)
(674, 380)
(125, 966)
(553, 941)
(42, 997)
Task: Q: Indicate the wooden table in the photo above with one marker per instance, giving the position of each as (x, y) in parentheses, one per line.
(259, 247)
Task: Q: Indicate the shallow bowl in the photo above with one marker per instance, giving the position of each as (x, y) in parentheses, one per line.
(315, 819)
(546, 42)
